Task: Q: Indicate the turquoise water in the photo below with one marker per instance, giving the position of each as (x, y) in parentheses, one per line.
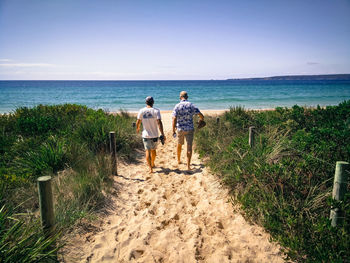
(212, 94)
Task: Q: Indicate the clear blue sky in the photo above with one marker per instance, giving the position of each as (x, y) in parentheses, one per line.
(172, 39)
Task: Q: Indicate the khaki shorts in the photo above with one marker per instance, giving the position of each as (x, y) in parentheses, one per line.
(189, 138)
(150, 143)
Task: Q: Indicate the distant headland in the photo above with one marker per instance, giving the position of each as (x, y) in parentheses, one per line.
(302, 77)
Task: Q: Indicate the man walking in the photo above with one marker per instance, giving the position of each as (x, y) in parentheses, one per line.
(183, 123)
(151, 121)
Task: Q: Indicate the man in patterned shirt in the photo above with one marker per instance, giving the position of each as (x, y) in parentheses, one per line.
(183, 124)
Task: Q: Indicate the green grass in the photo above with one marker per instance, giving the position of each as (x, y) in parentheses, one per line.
(68, 142)
(285, 182)
(22, 241)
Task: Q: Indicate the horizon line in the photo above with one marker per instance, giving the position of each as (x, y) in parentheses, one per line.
(245, 78)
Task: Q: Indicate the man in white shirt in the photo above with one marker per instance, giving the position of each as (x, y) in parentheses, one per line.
(151, 121)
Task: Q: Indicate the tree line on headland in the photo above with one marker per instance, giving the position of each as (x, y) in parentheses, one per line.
(302, 77)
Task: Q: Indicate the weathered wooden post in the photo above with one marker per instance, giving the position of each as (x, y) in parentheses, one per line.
(113, 149)
(134, 125)
(339, 190)
(217, 120)
(46, 204)
(251, 136)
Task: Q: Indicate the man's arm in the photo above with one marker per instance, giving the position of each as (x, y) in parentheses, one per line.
(174, 125)
(138, 124)
(201, 116)
(160, 125)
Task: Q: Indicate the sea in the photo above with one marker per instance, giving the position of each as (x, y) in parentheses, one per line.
(130, 96)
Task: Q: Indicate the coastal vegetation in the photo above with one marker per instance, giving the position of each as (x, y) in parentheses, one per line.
(68, 142)
(285, 181)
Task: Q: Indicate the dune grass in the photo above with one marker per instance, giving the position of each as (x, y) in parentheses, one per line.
(285, 182)
(68, 142)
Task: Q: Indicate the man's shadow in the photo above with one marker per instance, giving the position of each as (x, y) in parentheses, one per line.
(132, 179)
(196, 168)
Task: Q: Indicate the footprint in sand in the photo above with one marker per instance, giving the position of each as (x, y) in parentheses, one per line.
(194, 202)
(173, 217)
(136, 254)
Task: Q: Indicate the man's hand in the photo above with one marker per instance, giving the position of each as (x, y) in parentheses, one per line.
(162, 139)
(201, 116)
(201, 124)
(174, 125)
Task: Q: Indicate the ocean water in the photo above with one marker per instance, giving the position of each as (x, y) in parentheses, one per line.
(211, 94)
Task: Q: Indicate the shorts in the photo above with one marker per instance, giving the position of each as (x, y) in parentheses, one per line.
(189, 138)
(150, 143)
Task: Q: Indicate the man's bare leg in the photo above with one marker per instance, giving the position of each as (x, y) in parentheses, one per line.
(153, 157)
(189, 156)
(148, 159)
(179, 147)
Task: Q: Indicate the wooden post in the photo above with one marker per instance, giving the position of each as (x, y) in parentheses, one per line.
(217, 120)
(134, 125)
(112, 147)
(251, 136)
(46, 204)
(339, 190)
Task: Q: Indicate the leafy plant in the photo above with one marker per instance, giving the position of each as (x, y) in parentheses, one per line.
(24, 242)
(68, 142)
(285, 182)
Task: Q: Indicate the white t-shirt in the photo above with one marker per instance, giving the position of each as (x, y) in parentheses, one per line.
(149, 117)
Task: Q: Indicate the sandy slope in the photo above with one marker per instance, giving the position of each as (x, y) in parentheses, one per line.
(172, 216)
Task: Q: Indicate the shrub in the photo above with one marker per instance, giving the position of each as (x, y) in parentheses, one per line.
(285, 182)
(70, 140)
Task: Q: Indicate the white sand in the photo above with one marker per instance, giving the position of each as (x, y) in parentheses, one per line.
(172, 216)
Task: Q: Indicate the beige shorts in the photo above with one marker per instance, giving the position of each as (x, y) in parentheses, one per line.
(150, 143)
(185, 134)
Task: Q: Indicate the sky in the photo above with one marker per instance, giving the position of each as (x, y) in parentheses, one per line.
(172, 39)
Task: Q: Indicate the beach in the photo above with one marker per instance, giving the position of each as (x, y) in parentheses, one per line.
(172, 215)
(268, 178)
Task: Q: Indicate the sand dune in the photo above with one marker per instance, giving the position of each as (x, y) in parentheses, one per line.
(172, 216)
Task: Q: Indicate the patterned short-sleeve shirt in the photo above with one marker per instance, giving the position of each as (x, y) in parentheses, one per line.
(184, 112)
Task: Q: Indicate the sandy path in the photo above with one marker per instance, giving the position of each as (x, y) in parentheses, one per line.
(172, 216)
